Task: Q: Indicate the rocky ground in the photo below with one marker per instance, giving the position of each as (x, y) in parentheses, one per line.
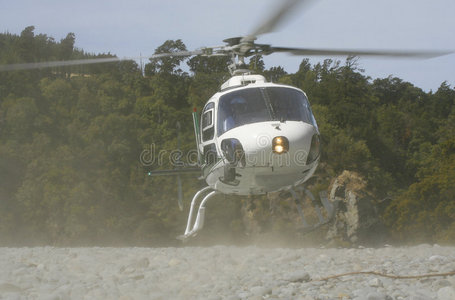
(223, 272)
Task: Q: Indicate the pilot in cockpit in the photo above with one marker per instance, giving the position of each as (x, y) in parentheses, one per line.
(234, 110)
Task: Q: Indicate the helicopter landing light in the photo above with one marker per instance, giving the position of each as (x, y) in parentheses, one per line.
(280, 144)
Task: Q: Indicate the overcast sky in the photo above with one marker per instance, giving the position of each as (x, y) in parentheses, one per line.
(134, 27)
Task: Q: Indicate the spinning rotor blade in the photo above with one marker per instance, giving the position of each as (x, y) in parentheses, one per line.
(50, 64)
(247, 45)
(179, 53)
(346, 52)
(272, 22)
(88, 61)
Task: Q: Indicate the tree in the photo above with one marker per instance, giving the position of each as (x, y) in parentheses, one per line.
(168, 65)
(256, 64)
(209, 64)
(274, 74)
(67, 46)
(20, 118)
(27, 44)
(426, 211)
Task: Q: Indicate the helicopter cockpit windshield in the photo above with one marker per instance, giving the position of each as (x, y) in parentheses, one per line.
(254, 105)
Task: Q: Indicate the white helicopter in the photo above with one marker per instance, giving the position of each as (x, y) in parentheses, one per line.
(254, 137)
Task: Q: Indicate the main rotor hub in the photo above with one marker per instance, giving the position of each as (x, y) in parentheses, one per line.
(240, 47)
(233, 41)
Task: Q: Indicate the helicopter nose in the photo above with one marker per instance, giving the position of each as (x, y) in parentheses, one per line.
(290, 143)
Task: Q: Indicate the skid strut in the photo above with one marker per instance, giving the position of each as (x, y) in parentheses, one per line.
(199, 222)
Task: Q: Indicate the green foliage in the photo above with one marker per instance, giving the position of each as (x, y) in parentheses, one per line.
(166, 65)
(71, 139)
(426, 210)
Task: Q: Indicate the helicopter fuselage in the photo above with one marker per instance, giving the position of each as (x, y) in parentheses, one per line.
(257, 137)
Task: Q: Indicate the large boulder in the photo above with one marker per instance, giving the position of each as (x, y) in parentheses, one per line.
(356, 221)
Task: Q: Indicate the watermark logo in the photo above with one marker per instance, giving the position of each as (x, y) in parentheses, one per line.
(176, 158)
(263, 140)
(262, 156)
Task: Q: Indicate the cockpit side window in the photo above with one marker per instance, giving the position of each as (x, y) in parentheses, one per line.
(207, 126)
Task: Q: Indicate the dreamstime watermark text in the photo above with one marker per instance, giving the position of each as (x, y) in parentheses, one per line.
(178, 158)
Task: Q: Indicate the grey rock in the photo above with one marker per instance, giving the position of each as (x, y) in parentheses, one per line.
(174, 262)
(451, 279)
(421, 295)
(243, 295)
(260, 290)
(298, 276)
(9, 288)
(143, 262)
(287, 292)
(441, 283)
(363, 292)
(375, 282)
(446, 293)
(437, 258)
(376, 296)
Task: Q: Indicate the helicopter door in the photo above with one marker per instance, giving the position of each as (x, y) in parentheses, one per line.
(208, 133)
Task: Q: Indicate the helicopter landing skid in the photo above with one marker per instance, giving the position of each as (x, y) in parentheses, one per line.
(199, 222)
(327, 205)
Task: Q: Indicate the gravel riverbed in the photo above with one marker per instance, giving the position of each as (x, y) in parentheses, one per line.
(225, 272)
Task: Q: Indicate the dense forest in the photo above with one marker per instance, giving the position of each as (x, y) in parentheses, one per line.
(72, 138)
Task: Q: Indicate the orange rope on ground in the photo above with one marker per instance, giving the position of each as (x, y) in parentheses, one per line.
(386, 275)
